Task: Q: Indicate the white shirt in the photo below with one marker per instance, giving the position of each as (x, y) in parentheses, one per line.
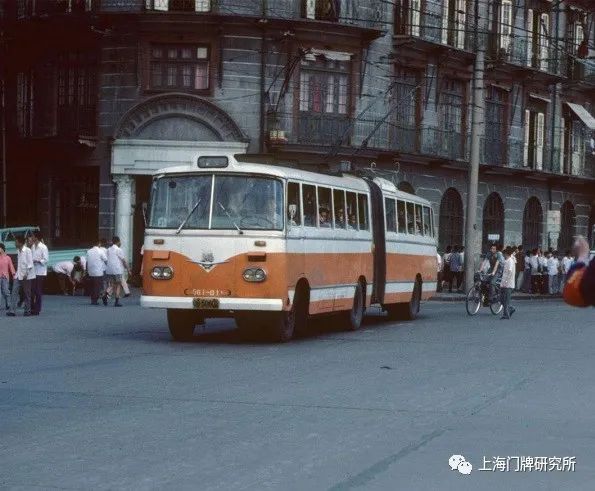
(552, 266)
(534, 262)
(508, 274)
(105, 252)
(439, 261)
(115, 258)
(64, 267)
(25, 268)
(40, 259)
(566, 263)
(96, 259)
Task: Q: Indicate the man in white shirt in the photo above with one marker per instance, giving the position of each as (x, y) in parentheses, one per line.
(552, 270)
(67, 272)
(96, 263)
(41, 256)
(507, 283)
(25, 274)
(116, 265)
(565, 267)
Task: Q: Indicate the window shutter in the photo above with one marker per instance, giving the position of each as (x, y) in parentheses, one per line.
(562, 125)
(577, 148)
(445, 21)
(310, 9)
(506, 25)
(578, 36)
(527, 137)
(544, 41)
(415, 17)
(157, 5)
(529, 36)
(460, 16)
(202, 5)
(539, 139)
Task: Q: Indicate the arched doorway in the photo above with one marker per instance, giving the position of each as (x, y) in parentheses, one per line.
(406, 187)
(567, 226)
(493, 221)
(452, 219)
(532, 224)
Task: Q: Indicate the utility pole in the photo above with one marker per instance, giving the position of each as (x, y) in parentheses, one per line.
(477, 122)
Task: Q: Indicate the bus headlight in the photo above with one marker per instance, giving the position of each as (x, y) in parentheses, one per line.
(254, 275)
(162, 273)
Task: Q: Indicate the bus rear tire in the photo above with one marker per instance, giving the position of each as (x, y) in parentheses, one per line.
(281, 326)
(407, 311)
(181, 324)
(355, 316)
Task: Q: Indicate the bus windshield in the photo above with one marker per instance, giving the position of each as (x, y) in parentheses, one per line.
(239, 202)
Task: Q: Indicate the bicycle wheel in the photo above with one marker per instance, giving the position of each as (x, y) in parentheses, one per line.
(496, 307)
(473, 301)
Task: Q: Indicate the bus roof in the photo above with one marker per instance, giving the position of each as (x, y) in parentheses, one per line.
(348, 181)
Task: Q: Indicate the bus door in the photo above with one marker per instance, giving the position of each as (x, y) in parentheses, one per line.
(379, 240)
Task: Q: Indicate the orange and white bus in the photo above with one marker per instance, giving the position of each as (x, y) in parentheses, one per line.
(272, 246)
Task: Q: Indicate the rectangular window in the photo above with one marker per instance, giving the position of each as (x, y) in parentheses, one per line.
(325, 218)
(183, 67)
(327, 10)
(544, 41)
(24, 104)
(453, 22)
(415, 17)
(505, 30)
(390, 215)
(530, 37)
(401, 217)
(418, 220)
(351, 210)
(362, 206)
(410, 219)
(427, 222)
(179, 5)
(294, 209)
(339, 205)
(309, 203)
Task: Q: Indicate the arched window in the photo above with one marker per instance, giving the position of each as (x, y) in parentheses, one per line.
(567, 226)
(532, 224)
(451, 219)
(493, 221)
(406, 187)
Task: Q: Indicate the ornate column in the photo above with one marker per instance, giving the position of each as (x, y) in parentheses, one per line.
(124, 211)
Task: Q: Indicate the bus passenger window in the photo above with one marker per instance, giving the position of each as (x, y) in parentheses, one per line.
(309, 200)
(402, 222)
(410, 219)
(325, 219)
(418, 224)
(427, 222)
(432, 222)
(294, 212)
(389, 212)
(339, 203)
(351, 211)
(362, 202)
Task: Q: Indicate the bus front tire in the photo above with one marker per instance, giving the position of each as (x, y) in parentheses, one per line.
(355, 316)
(407, 311)
(181, 324)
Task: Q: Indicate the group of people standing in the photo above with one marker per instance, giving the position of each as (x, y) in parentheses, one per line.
(106, 267)
(451, 267)
(543, 272)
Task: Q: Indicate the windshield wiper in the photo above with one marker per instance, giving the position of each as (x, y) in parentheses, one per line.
(230, 219)
(188, 216)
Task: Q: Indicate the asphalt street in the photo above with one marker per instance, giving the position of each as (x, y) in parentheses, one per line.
(101, 398)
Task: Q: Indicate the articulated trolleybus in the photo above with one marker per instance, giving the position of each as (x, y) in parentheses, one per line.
(272, 246)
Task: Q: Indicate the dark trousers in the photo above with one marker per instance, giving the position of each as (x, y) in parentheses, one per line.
(506, 297)
(36, 294)
(25, 285)
(96, 287)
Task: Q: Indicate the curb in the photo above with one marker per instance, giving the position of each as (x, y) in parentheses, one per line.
(461, 298)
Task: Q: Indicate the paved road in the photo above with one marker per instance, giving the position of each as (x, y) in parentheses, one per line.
(101, 398)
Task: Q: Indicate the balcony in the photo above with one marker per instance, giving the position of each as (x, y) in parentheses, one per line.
(445, 144)
(322, 129)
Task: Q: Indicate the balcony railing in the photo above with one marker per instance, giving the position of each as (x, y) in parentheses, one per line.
(323, 129)
(447, 144)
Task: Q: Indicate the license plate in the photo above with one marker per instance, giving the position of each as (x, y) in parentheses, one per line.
(205, 303)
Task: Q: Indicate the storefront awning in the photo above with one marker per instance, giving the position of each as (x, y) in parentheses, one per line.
(583, 114)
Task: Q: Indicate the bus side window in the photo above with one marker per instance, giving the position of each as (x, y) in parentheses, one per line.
(309, 201)
(325, 219)
(339, 204)
(362, 206)
(410, 219)
(389, 213)
(433, 224)
(402, 222)
(418, 223)
(351, 211)
(294, 212)
(427, 222)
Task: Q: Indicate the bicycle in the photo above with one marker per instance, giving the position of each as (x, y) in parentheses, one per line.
(479, 293)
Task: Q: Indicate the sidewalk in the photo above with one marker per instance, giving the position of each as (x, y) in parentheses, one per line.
(460, 297)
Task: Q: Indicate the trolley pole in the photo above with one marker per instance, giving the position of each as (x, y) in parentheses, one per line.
(477, 122)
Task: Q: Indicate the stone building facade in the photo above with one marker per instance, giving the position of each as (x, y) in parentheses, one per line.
(102, 93)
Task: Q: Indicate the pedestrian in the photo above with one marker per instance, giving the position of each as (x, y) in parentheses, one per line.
(67, 273)
(6, 273)
(496, 260)
(520, 267)
(41, 257)
(507, 284)
(116, 266)
(25, 274)
(565, 267)
(105, 290)
(456, 269)
(543, 285)
(553, 268)
(96, 262)
(439, 266)
(446, 262)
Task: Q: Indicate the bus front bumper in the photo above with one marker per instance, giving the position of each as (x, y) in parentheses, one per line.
(225, 303)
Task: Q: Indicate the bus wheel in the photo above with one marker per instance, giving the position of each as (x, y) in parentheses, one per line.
(355, 316)
(181, 324)
(406, 311)
(281, 326)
